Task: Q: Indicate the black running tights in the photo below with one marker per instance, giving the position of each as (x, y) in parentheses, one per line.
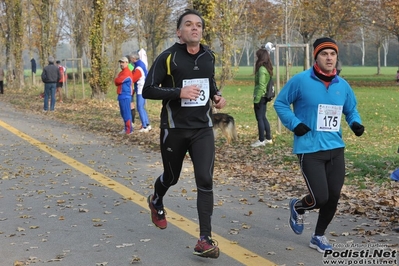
(200, 144)
(324, 174)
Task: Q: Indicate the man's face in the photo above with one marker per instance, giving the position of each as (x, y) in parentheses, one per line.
(122, 64)
(327, 60)
(190, 30)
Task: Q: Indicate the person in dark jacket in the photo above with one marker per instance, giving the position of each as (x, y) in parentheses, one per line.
(183, 78)
(1, 80)
(33, 65)
(50, 77)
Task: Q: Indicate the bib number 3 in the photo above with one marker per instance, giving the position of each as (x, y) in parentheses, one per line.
(202, 100)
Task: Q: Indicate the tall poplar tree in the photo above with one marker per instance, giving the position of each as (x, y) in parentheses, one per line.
(12, 31)
(100, 76)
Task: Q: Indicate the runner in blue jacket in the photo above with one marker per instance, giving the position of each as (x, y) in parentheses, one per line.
(319, 97)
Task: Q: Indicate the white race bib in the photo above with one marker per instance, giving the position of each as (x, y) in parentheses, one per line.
(329, 117)
(203, 84)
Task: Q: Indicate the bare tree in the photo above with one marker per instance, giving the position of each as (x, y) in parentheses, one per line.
(47, 21)
(385, 45)
(261, 20)
(156, 23)
(390, 17)
(79, 15)
(307, 23)
(375, 27)
(11, 25)
(230, 13)
(17, 42)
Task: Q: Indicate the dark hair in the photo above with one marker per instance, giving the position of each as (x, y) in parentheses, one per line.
(263, 59)
(190, 12)
(58, 62)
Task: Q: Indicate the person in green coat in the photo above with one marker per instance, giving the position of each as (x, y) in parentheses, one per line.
(263, 73)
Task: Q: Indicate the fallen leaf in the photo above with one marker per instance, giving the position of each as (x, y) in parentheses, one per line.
(135, 259)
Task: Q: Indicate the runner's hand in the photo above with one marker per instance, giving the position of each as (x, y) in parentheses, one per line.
(219, 101)
(191, 92)
(301, 129)
(357, 128)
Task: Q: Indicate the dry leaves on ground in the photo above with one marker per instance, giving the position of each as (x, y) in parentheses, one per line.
(250, 168)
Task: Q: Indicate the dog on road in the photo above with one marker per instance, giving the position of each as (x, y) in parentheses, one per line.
(226, 124)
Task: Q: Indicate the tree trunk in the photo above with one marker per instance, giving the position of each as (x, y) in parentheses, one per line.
(379, 60)
(17, 44)
(362, 45)
(45, 32)
(98, 95)
(100, 73)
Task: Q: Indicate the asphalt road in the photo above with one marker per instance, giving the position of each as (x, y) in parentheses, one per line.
(68, 197)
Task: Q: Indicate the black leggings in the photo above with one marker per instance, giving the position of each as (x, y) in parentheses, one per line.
(263, 124)
(200, 144)
(324, 174)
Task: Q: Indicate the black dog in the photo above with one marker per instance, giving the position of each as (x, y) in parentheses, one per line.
(226, 124)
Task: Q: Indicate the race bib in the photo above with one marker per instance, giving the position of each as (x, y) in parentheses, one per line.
(202, 100)
(329, 117)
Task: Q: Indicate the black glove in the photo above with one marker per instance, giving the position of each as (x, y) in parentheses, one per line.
(301, 129)
(357, 128)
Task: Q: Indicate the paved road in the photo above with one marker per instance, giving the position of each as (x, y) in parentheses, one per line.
(68, 197)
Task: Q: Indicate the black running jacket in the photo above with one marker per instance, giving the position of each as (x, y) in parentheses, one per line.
(165, 79)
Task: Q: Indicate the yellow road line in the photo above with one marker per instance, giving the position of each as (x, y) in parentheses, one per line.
(233, 250)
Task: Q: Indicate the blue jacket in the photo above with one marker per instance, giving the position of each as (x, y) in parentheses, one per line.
(305, 91)
(124, 83)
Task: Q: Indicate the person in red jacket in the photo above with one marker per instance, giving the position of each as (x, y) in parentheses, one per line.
(124, 83)
(62, 70)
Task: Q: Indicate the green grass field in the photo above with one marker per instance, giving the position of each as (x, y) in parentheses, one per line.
(370, 157)
(374, 154)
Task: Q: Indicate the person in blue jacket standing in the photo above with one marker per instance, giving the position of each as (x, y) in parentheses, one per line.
(124, 89)
(319, 98)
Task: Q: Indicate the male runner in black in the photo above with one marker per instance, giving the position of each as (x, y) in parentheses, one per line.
(183, 78)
